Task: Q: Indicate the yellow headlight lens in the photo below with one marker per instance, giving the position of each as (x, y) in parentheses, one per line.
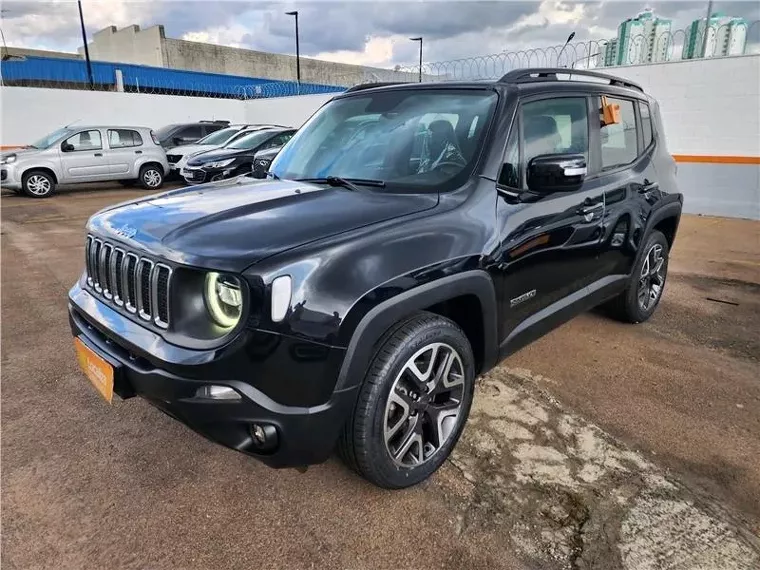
(224, 299)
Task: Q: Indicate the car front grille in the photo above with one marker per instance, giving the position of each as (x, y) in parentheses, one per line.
(173, 158)
(129, 281)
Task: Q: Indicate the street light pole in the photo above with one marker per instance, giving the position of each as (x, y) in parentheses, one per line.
(298, 49)
(86, 49)
(419, 40)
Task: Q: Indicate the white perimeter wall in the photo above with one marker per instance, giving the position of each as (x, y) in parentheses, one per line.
(710, 107)
(29, 113)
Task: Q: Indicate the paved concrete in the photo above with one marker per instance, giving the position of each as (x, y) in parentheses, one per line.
(600, 446)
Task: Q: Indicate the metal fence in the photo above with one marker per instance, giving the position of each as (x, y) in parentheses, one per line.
(668, 46)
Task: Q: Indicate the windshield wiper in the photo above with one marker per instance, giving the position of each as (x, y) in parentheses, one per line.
(349, 183)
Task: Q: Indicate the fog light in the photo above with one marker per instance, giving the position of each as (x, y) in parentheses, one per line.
(264, 436)
(217, 393)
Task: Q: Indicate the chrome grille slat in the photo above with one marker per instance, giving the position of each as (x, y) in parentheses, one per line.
(128, 281)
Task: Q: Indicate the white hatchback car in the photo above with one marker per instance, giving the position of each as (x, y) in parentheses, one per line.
(72, 155)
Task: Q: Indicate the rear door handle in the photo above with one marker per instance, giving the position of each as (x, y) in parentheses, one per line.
(138, 152)
(98, 154)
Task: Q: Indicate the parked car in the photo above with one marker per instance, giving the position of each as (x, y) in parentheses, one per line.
(262, 160)
(234, 158)
(179, 155)
(72, 155)
(178, 134)
(353, 298)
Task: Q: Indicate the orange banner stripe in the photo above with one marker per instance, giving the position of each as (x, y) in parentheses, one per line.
(716, 159)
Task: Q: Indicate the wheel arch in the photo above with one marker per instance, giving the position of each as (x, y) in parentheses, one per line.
(467, 289)
(151, 162)
(45, 169)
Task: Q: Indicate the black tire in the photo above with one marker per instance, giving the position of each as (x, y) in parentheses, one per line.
(151, 176)
(628, 306)
(38, 184)
(362, 443)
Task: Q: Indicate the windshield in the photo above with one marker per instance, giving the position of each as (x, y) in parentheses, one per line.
(420, 138)
(251, 140)
(164, 132)
(219, 137)
(52, 138)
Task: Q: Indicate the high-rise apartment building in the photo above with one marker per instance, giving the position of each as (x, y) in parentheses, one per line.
(725, 36)
(643, 39)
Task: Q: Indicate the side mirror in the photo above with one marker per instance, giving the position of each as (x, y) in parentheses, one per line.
(556, 172)
(67, 147)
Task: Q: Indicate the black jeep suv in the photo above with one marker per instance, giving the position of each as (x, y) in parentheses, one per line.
(408, 238)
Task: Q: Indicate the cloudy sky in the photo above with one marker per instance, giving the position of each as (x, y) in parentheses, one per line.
(359, 31)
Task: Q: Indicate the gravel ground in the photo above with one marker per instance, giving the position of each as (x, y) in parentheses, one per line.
(599, 446)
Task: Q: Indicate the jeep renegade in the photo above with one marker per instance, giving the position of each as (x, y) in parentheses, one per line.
(406, 239)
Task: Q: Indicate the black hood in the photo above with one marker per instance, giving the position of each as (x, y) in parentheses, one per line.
(232, 224)
(219, 154)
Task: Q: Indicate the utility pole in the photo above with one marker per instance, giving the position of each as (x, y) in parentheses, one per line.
(298, 48)
(86, 49)
(419, 40)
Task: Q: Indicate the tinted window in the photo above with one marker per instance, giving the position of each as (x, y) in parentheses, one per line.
(619, 144)
(555, 126)
(121, 138)
(646, 123)
(250, 140)
(219, 137)
(510, 170)
(86, 140)
(195, 132)
(403, 137)
(164, 132)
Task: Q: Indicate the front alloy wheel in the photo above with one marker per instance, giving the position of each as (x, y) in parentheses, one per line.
(38, 184)
(413, 402)
(424, 404)
(151, 178)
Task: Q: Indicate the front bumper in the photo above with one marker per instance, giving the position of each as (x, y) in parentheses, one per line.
(10, 177)
(304, 435)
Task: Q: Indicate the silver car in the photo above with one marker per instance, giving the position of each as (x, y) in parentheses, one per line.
(72, 155)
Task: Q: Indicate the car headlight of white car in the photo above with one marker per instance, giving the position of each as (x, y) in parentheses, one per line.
(10, 159)
(219, 163)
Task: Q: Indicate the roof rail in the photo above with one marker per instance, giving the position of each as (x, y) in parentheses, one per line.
(363, 86)
(534, 74)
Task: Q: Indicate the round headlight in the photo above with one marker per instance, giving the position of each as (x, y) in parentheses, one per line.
(224, 299)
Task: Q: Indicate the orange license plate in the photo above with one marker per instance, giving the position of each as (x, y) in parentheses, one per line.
(97, 370)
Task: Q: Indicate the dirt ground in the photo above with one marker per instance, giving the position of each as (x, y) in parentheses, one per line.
(600, 446)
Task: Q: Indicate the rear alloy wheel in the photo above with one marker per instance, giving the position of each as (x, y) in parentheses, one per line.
(151, 177)
(413, 403)
(646, 283)
(38, 184)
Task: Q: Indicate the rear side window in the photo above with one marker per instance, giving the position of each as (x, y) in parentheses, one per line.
(646, 123)
(619, 141)
(122, 138)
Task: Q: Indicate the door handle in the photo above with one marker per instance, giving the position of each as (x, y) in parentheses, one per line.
(98, 154)
(138, 152)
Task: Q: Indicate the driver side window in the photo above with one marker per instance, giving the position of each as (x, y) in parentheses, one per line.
(555, 126)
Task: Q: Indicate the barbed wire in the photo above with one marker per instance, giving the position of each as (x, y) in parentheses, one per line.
(639, 49)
